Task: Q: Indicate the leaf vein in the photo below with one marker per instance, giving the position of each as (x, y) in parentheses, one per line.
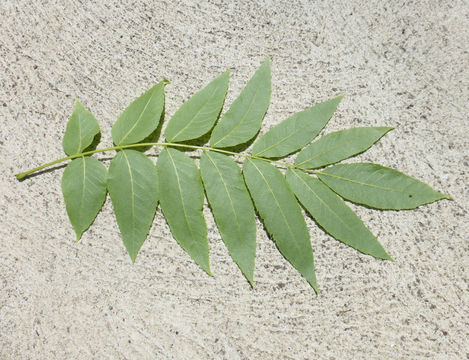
(361, 183)
(132, 193)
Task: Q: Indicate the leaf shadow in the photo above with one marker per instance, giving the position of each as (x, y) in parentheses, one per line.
(94, 144)
(241, 147)
(200, 141)
(42, 172)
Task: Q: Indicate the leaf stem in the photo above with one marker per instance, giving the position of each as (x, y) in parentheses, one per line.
(22, 175)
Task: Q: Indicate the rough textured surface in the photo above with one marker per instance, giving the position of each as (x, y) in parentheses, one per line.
(402, 64)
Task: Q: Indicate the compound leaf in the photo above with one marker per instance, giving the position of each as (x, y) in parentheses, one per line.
(141, 117)
(296, 131)
(182, 199)
(84, 190)
(81, 130)
(243, 119)
(133, 186)
(333, 215)
(232, 208)
(378, 187)
(282, 215)
(338, 146)
(198, 114)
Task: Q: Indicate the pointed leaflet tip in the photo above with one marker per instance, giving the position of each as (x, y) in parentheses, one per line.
(336, 100)
(133, 257)
(447, 197)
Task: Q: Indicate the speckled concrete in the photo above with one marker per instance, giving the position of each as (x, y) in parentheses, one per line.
(402, 64)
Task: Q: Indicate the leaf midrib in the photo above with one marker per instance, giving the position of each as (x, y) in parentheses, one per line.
(82, 201)
(79, 134)
(362, 183)
(132, 193)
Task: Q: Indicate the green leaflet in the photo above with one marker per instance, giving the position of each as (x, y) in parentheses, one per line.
(141, 117)
(133, 185)
(198, 114)
(81, 130)
(182, 199)
(333, 215)
(282, 215)
(338, 146)
(378, 187)
(243, 119)
(296, 131)
(84, 190)
(232, 208)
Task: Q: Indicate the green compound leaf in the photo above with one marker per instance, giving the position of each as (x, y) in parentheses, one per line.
(282, 215)
(81, 130)
(378, 187)
(296, 131)
(133, 186)
(232, 208)
(182, 199)
(338, 146)
(84, 190)
(141, 117)
(243, 119)
(333, 215)
(198, 114)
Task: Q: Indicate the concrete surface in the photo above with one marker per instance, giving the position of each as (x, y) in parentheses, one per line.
(402, 64)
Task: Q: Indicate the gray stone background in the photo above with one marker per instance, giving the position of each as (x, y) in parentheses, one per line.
(402, 64)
